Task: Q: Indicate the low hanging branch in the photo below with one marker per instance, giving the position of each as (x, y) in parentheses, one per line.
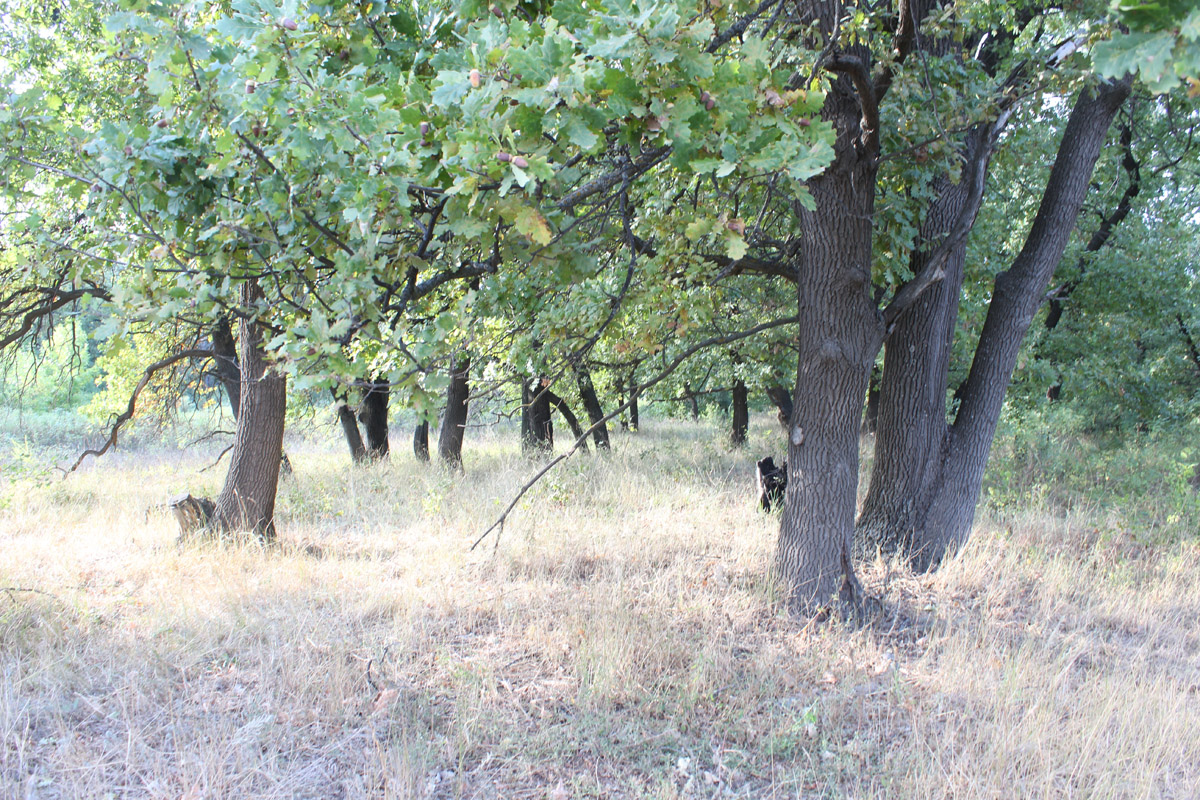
(127, 414)
(712, 341)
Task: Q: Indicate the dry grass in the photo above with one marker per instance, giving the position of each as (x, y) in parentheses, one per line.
(620, 642)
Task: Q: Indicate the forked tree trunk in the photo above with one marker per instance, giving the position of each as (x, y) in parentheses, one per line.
(568, 415)
(741, 414)
(454, 419)
(421, 441)
(247, 502)
(836, 346)
(374, 417)
(927, 474)
(537, 430)
(591, 403)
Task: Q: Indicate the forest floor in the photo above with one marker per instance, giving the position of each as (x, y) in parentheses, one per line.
(618, 640)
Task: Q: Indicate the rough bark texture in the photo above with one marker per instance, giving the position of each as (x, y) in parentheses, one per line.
(741, 414)
(927, 474)
(421, 441)
(247, 502)
(374, 417)
(591, 404)
(693, 403)
(911, 405)
(571, 420)
(836, 345)
(454, 420)
(226, 358)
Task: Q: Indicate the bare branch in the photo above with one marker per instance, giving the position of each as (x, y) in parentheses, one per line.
(127, 414)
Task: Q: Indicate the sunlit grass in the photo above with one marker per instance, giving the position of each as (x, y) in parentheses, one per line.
(619, 639)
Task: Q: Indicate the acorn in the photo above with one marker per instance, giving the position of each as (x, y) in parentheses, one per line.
(504, 157)
(498, 11)
(804, 122)
(288, 24)
(344, 54)
(707, 100)
(128, 150)
(424, 129)
(520, 162)
(162, 123)
(250, 87)
(514, 102)
(291, 112)
(475, 78)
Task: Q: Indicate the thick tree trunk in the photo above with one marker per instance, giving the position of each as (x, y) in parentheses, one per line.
(226, 358)
(358, 451)
(782, 399)
(374, 417)
(537, 429)
(454, 420)
(591, 403)
(836, 346)
(929, 473)
(741, 414)
(572, 422)
(421, 441)
(247, 502)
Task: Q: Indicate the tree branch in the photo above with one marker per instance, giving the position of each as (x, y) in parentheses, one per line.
(127, 414)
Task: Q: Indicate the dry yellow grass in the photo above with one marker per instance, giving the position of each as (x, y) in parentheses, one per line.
(621, 641)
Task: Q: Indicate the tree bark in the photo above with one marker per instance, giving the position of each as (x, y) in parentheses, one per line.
(226, 358)
(374, 417)
(591, 403)
(536, 426)
(741, 414)
(693, 403)
(421, 441)
(247, 502)
(782, 400)
(572, 422)
(358, 451)
(454, 419)
(836, 346)
(928, 474)
(633, 403)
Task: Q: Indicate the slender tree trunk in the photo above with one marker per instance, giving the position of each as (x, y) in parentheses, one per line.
(929, 474)
(226, 358)
(421, 441)
(536, 426)
(454, 420)
(572, 422)
(741, 414)
(591, 403)
(247, 502)
(782, 399)
(358, 451)
(693, 403)
(633, 403)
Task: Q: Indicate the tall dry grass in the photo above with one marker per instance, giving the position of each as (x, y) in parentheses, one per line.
(620, 640)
